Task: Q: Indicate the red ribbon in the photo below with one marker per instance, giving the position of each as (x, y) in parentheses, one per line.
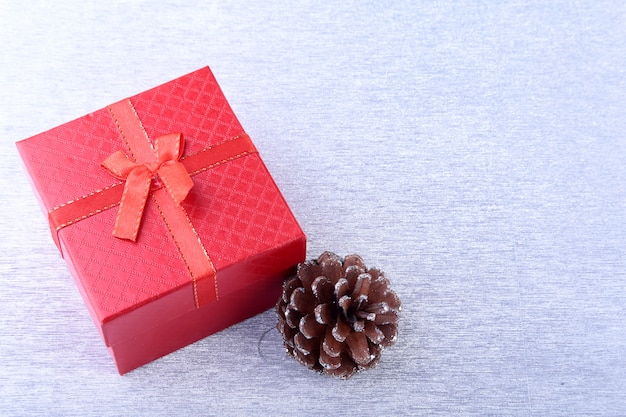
(162, 173)
(138, 179)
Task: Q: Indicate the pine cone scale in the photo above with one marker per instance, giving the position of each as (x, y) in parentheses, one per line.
(342, 287)
(302, 301)
(387, 318)
(289, 287)
(352, 273)
(331, 345)
(307, 273)
(390, 331)
(310, 328)
(353, 260)
(288, 334)
(304, 345)
(346, 370)
(362, 287)
(345, 304)
(377, 308)
(323, 289)
(365, 315)
(359, 348)
(328, 361)
(324, 313)
(341, 330)
(373, 333)
(379, 285)
(309, 360)
(292, 318)
(393, 302)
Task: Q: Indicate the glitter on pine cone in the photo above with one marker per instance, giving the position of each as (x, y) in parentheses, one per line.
(336, 315)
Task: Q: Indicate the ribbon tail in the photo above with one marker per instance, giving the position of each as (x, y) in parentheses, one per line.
(132, 204)
(176, 180)
(191, 249)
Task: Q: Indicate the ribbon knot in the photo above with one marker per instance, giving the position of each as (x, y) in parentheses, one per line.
(163, 164)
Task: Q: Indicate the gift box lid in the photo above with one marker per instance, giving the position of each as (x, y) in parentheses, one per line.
(234, 206)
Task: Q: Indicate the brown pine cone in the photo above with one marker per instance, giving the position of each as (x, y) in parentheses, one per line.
(336, 315)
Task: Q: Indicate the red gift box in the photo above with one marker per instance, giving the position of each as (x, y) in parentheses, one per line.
(203, 237)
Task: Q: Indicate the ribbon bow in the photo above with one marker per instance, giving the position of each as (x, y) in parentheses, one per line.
(164, 165)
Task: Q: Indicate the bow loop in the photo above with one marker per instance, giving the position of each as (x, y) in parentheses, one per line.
(169, 147)
(138, 179)
(119, 165)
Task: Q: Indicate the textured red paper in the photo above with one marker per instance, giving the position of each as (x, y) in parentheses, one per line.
(141, 292)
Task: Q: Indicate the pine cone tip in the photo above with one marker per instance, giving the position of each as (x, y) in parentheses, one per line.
(336, 315)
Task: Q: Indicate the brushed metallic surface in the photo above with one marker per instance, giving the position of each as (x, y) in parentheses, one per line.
(474, 151)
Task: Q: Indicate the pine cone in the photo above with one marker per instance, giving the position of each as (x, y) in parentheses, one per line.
(336, 316)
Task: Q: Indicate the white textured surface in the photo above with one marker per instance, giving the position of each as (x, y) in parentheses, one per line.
(476, 152)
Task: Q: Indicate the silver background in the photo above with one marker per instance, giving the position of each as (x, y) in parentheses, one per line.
(475, 151)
